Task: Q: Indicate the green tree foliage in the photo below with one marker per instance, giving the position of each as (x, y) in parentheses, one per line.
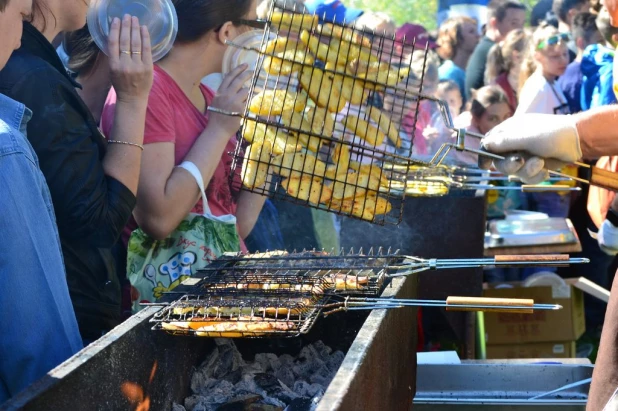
(415, 11)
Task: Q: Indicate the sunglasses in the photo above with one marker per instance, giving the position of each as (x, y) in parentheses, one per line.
(553, 40)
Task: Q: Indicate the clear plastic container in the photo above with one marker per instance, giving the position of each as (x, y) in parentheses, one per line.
(158, 15)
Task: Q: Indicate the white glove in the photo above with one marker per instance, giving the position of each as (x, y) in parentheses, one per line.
(608, 238)
(549, 141)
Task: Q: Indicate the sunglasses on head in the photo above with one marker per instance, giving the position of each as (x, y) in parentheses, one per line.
(553, 40)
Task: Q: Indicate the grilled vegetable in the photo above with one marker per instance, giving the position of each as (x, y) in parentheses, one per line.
(275, 102)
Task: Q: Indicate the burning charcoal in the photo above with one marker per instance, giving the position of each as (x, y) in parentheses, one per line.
(275, 402)
(274, 361)
(299, 404)
(301, 388)
(240, 403)
(233, 376)
(264, 407)
(178, 407)
(286, 360)
(308, 353)
(322, 376)
(286, 376)
(252, 368)
(201, 383)
(267, 382)
(230, 360)
(266, 361)
(324, 350)
(207, 367)
(246, 384)
(334, 361)
(197, 403)
(221, 393)
(315, 390)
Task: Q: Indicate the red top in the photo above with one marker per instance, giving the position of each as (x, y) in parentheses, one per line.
(503, 81)
(172, 118)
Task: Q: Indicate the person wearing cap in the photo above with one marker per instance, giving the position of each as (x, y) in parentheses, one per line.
(502, 17)
(332, 11)
(549, 142)
(412, 34)
(38, 328)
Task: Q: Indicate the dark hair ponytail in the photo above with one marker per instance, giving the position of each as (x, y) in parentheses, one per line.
(198, 17)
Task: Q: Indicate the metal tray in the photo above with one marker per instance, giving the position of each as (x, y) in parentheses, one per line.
(500, 387)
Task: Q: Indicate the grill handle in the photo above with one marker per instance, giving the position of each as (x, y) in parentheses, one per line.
(604, 179)
(558, 259)
(491, 304)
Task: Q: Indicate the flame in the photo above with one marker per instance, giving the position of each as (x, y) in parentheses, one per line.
(135, 393)
(153, 372)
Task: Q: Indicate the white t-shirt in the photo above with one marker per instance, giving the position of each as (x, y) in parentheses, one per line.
(540, 96)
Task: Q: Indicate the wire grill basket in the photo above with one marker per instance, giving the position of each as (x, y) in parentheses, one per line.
(328, 106)
(236, 316)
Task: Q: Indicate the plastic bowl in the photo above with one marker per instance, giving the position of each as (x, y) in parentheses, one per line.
(158, 15)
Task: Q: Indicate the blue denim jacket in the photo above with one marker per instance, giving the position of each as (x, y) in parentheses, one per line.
(38, 329)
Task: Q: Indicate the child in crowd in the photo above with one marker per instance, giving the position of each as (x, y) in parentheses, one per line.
(437, 132)
(457, 39)
(598, 65)
(487, 108)
(585, 33)
(504, 63)
(546, 59)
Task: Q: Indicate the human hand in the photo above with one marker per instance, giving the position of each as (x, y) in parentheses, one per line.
(231, 97)
(130, 59)
(608, 238)
(532, 144)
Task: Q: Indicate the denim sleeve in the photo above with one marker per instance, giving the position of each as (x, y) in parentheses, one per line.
(37, 324)
(90, 206)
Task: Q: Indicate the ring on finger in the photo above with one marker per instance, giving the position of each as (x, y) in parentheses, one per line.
(125, 52)
(136, 52)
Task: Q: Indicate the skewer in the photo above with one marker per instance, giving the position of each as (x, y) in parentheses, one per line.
(510, 305)
(414, 265)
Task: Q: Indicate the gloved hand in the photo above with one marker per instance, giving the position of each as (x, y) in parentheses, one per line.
(533, 143)
(608, 238)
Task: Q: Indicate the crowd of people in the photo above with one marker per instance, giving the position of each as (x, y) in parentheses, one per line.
(95, 147)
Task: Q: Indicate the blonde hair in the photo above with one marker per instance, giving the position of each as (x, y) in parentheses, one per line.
(529, 65)
(450, 35)
(371, 21)
(500, 57)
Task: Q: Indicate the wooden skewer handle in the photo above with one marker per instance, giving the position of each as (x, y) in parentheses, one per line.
(558, 258)
(500, 304)
(604, 179)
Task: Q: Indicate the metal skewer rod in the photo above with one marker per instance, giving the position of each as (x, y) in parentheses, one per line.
(525, 306)
(413, 265)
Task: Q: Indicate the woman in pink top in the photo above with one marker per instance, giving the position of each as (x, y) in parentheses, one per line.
(180, 128)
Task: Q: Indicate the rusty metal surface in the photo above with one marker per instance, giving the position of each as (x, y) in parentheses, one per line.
(156, 364)
(379, 370)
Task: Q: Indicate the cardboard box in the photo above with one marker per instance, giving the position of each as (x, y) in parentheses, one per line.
(567, 324)
(532, 350)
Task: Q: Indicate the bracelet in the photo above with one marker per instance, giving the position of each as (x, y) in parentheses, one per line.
(141, 147)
